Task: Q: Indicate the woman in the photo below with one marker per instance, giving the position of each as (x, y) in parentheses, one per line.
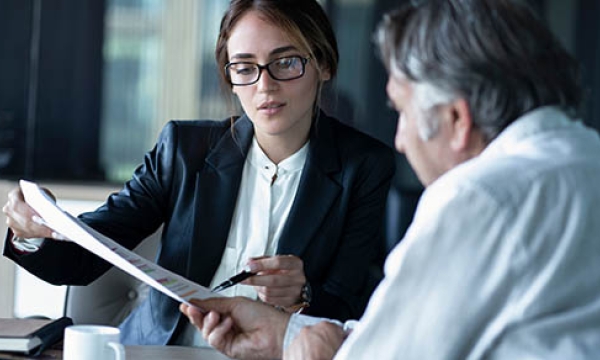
(284, 189)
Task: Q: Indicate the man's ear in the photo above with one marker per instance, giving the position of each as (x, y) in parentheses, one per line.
(461, 124)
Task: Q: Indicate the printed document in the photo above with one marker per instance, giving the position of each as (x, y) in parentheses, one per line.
(174, 285)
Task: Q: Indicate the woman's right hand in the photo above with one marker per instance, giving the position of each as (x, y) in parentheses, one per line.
(23, 220)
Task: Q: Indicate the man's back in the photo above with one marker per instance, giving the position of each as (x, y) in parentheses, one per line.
(502, 257)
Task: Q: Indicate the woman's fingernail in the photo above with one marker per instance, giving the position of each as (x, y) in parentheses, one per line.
(58, 236)
(38, 220)
(252, 267)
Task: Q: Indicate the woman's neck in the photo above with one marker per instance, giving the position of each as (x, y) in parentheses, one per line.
(278, 148)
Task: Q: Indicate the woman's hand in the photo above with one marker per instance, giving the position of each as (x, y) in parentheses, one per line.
(23, 220)
(279, 279)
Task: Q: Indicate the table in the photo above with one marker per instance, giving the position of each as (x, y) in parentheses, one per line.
(140, 353)
(132, 352)
(172, 352)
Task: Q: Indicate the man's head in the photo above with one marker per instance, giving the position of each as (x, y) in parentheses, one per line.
(463, 70)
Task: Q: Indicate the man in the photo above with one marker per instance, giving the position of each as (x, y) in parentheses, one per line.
(502, 258)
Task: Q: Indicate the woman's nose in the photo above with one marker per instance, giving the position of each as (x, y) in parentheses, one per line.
(266, 82)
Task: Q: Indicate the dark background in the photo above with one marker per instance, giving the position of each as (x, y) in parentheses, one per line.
(51, 82)
(51, 85)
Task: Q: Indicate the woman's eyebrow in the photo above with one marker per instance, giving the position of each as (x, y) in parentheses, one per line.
(283, 49)
(242, 56)
(276, 51)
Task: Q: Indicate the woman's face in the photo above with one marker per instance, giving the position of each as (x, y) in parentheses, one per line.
(278, 109)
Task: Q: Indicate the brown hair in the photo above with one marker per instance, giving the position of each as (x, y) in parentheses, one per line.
(304, 21)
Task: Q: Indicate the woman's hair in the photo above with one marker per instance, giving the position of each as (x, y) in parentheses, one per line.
(304, 21)
(496, 54)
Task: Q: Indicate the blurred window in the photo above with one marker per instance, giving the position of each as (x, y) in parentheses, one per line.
(158, 65)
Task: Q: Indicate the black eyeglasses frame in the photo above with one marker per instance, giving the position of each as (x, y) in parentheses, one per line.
(303, 61)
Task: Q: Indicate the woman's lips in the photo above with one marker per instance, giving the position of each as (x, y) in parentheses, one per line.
(271, 108)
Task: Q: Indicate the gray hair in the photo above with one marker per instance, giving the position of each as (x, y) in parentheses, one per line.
(427, 98)
(496, 54)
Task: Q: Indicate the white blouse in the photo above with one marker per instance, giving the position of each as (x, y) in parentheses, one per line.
(265, 198)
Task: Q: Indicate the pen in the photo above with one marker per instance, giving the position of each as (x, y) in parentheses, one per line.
(236, 279)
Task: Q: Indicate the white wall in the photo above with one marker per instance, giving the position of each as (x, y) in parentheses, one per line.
(22, 294)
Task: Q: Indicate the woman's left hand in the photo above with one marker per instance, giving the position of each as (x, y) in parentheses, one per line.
(279, 279)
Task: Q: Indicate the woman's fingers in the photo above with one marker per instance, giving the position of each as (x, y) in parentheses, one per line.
(277, 262)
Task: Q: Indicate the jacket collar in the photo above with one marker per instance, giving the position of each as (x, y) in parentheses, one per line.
(320, 185)
(323, 151)
(233, 147)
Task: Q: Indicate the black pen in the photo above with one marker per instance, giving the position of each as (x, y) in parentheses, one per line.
(236, 279)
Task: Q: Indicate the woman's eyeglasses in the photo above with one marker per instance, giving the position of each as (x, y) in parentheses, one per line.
(282, 69)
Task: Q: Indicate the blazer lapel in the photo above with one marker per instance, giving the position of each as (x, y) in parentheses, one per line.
(217, 187)
(319, 187)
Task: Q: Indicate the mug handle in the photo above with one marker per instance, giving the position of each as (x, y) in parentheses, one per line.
(119, 350)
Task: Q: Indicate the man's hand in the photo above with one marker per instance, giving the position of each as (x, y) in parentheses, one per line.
(23, 220)
(279, 279)
(239, 327)
(318, 342)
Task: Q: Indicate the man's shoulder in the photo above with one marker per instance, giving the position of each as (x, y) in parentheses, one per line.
(511, 179)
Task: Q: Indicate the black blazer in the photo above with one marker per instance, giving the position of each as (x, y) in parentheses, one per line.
(189, 182)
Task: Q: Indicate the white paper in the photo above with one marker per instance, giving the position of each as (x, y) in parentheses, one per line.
(174, 285)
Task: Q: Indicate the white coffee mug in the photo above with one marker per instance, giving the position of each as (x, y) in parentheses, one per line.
(92, 342)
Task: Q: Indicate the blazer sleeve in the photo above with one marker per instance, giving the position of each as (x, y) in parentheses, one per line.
(128, 217)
